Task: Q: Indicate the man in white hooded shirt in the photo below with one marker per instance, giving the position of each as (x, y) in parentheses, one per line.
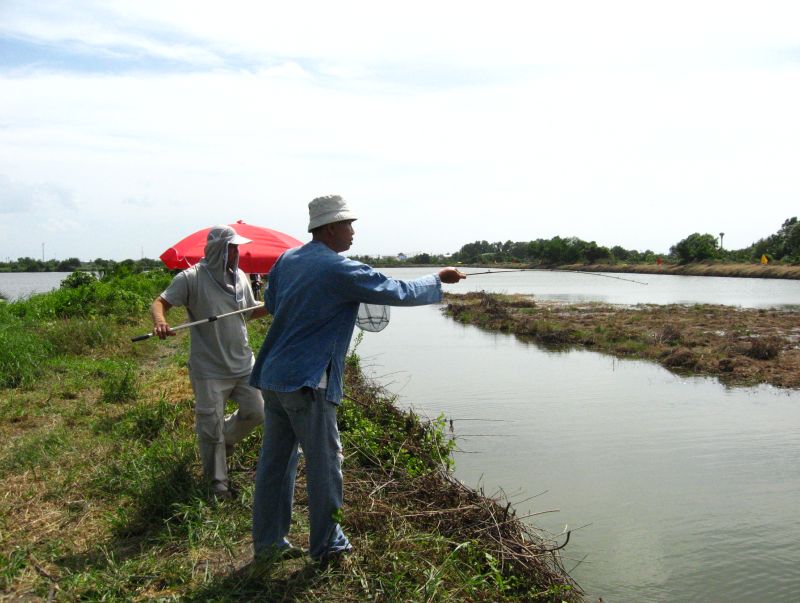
(220, 358)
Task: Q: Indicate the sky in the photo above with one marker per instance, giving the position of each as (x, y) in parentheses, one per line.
(127, 125)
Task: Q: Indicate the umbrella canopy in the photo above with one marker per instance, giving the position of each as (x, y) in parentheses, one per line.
(259, 256)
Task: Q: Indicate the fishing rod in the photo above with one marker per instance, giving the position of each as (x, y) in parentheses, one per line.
(619, 278)
(186, 325)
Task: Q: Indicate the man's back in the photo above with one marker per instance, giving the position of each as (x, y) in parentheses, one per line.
(313, 295)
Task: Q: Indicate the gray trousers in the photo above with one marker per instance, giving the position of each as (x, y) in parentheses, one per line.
(214, 430)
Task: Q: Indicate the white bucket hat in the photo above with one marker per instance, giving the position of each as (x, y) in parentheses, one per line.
(327, 210)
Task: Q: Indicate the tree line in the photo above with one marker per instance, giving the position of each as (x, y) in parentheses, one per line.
(783, 246)
(99, 265)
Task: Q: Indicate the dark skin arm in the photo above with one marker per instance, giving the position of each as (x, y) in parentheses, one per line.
(451, 275)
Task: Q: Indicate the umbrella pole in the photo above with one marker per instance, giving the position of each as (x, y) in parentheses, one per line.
(186, 325)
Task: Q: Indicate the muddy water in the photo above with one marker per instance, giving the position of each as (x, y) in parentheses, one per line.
(677, 489)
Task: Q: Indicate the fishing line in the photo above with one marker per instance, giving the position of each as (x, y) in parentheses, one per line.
(619, 278)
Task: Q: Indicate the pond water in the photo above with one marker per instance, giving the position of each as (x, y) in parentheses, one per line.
(610, 288)
(15, 285)
(677, 489)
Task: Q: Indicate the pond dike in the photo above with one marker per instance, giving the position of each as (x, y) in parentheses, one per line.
(108, 502)
(741, 347)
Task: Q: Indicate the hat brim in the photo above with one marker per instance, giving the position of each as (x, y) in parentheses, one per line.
(239, 240)
(331, 217)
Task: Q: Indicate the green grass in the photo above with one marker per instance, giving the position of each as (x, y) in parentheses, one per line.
(36, 450)
(119, 385)
(23, 352)
(105, 499)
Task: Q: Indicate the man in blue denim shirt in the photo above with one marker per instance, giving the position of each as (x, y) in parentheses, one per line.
(313, 295)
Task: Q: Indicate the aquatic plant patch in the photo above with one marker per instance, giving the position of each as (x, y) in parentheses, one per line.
(740, 346)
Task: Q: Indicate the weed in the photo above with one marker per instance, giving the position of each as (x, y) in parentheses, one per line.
(77, 336)
(22, 353)
(764, 348)
(392, 441)
(11, 564)
(120, 385)
(670, 334)
(145, 421)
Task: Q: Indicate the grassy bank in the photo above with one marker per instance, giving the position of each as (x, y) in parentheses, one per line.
(739, 346)
(103, 498)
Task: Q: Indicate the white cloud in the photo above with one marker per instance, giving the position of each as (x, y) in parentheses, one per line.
(443, 122)
(39, 198)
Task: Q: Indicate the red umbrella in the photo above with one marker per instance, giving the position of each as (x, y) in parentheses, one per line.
(259, 256)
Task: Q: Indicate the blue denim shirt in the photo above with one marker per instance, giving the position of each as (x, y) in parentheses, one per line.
(313, 295)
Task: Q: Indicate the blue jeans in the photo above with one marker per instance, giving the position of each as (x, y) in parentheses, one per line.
(302, 416)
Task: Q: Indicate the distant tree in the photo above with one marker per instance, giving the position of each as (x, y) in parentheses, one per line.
(555, 251)
(792, 238)
(421, 258)
(27, 264)
(472, 252)
(696, 248)
(786, 242)
(148, 264)
(68, 265)
(519, 250)
(620, 253)
(594, 253)
(783, 245)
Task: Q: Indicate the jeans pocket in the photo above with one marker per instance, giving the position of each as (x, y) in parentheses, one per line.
(297, 401)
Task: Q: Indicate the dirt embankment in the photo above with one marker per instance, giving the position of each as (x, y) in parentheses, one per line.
(698, 269)
(739, 346)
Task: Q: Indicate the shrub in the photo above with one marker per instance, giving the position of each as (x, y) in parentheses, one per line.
(670, 334)
(123, 300)
(78, 279)
(78, 335)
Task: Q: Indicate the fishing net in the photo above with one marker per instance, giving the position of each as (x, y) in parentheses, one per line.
(372, 317)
